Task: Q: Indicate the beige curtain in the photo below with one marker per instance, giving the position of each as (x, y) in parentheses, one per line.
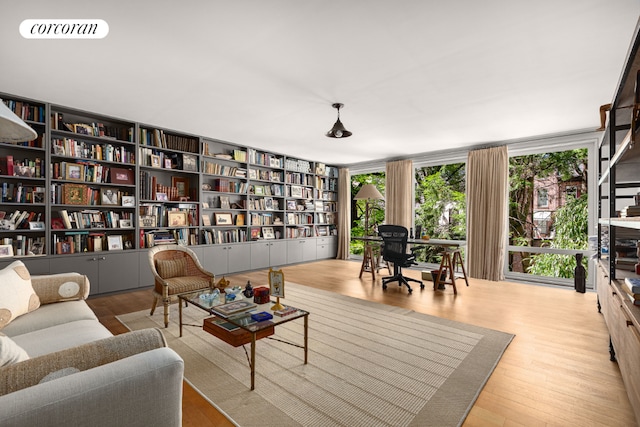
(487, 210)
(399, 193)
(344, 213)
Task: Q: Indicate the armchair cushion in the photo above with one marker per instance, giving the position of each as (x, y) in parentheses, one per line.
(81, 358)
(180, 285)
(17, 296)
(168, 268)
(10, 352)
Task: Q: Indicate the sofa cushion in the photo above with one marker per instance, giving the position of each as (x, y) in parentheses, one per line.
(61, 337)
(60, 287)
(49, 315)
(10, 352)
(168, 268)
(17, 296)
(62, 363)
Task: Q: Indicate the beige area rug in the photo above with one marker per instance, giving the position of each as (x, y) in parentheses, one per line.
(369, 365)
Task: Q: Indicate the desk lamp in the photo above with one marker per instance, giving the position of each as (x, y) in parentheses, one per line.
(368, 192)
(12, 128)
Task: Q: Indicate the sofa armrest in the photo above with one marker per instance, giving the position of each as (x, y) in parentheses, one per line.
(50, 366)
(141, 390)
(61, 287)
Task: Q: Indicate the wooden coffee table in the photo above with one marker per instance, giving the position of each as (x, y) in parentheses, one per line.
(236, 330)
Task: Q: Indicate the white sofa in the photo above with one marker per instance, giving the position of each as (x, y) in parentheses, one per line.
(77, 373)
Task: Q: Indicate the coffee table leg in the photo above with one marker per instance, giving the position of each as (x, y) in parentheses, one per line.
(180, 311)
(306, 335)
(253, 360)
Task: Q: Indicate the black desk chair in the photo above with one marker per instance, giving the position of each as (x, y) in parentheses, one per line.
(394, 250)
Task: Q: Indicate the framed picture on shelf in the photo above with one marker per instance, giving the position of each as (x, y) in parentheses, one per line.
(38, 197)
(109, 196)
(36, 225)
(162, 197)
(296, 191)
(206, 220)
(182, 184)
(167, 163)
(258, 190)
(224, 202)
(189, 163)
(121, 176)
(267, 233)
(128, 201)
(177, 218)
(205, 205)
(255, 233)
(148, 221)
(64, 247)
(114, 242)
(97, 224)
(253, 174)
(155, 161)
(74, 194)
(291, 205)
(268, 203)
(74, 172)
(6, 251)
(223, 219)
(125, 223)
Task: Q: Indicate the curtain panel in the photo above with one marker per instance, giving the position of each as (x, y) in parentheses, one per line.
(344, 213)
(487, 211)
(399, 193)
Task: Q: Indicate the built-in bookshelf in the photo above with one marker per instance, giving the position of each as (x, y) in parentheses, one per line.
(92, 183)
(23, 172)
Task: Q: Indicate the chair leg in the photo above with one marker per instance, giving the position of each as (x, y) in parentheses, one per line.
(153, 306)
(166, 302)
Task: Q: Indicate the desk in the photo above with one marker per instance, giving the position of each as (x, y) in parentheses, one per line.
(451, 257)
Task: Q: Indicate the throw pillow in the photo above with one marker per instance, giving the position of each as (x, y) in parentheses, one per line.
(168, 268)
(76, 359)
(17, 296)
(10, 352)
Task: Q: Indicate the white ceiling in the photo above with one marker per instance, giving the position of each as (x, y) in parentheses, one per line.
(415, 76)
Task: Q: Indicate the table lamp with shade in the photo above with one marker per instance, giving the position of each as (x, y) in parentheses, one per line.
(12, 128)
(368, 193)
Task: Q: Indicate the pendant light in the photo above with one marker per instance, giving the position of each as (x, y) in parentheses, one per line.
(12, 128)
(338, 130)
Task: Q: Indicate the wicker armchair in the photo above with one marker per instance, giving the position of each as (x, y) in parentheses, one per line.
(176, 270)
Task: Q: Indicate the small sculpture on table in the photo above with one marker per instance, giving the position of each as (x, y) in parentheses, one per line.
(276, 286)
(248, 290)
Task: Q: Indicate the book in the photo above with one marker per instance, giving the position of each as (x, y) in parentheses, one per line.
(633, 300)
(287, 310)
(632, 285)
(226, 310)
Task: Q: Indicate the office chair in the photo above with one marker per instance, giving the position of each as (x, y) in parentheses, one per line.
(394, 250)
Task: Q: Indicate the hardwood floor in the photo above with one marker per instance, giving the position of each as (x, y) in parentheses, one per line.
(556, 371)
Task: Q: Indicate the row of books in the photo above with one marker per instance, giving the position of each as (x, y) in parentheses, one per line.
(267, 190)
(298, 165)
(85, 219)
(158, 138)
(264, 204)
(299, 179)
(83, 171)
(26, 111)
(23, 245)
(213, 168)
(224, 236)
(228, 186)
(18, 193)
(632, 289)
(630, 211)
(326, 184)
(299, 218)
(265, 219)
(265, 159)
(28, 168)
(19, 219)
(123, 133)
(85, 150)
(265, 175)
(159, 213)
